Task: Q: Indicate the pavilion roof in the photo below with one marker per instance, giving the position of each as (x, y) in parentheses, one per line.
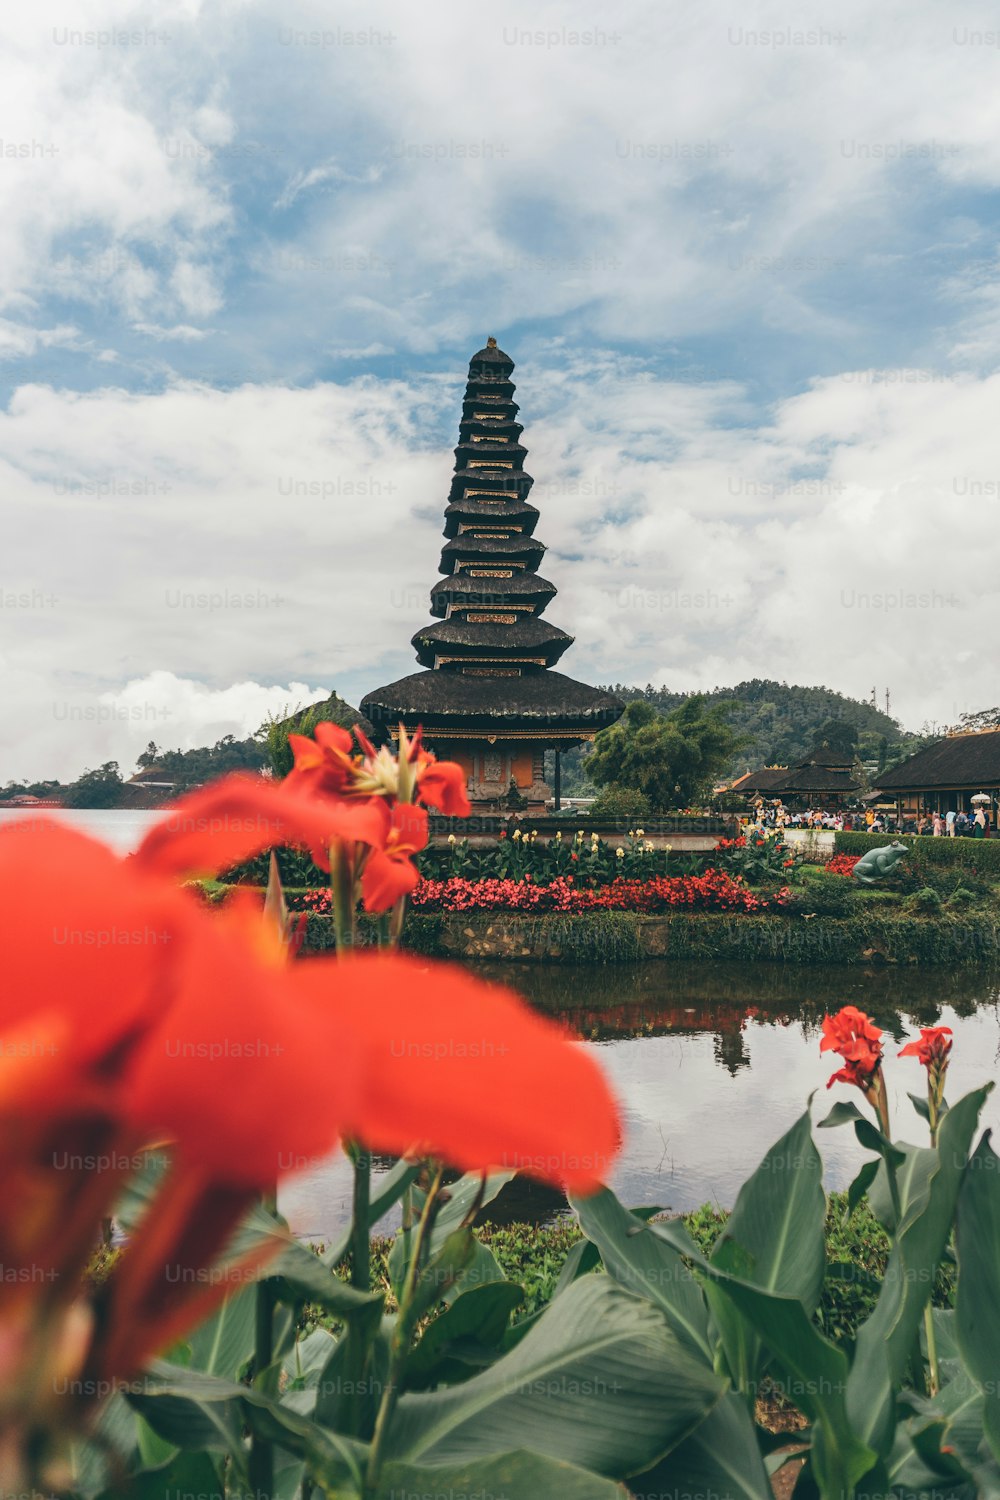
(541, 699)
(963, 761)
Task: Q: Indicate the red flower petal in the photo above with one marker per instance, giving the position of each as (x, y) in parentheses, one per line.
(466, 1071)
(226, 822)
(248, 1071)
(100, 956)
(442, 784)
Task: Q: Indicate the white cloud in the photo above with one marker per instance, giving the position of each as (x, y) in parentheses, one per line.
(182, 331)
(18, 340)
(330, 171)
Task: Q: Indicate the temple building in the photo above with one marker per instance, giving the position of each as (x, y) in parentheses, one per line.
(488, 697)
(960, 772)
(824, 779)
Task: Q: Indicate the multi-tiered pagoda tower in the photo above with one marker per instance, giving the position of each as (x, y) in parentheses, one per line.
(489, 698)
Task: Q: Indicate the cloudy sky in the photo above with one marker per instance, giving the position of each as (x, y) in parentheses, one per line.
(745, 260)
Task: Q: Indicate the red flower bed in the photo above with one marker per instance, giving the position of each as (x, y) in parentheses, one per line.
(842, 864)
(713, 891)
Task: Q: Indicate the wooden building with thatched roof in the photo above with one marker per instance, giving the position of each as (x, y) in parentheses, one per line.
(488, 697)
(955, 772)
(824, 778)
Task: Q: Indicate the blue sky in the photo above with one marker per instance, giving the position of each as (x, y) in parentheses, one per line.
(747, 270)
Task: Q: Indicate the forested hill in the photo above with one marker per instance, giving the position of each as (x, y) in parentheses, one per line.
(782, 723)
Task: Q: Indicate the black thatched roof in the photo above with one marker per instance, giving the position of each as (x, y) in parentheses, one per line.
(489, 548)
(969, 762)
(491, 355)
(526, 634)
(468, 452)
(491, 423)
(541, 699)
(494, 481)
(487, 381)
(804, 778)
(488, 399)
(525, 516)
(819, 779)
(462, 591)
(764, 780)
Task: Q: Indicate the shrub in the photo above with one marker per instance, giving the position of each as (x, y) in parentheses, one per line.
(621, 802)
(926, 899)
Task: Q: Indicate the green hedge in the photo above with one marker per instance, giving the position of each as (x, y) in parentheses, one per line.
(616, 937)
(979, 855)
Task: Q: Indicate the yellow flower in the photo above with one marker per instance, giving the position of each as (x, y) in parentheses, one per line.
(620, 852)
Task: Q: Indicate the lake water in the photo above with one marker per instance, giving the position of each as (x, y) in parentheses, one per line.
(712, 1062)
(121, 828)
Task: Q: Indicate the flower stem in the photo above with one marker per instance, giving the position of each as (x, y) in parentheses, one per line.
(261, 1462)
(401, 1338)
(360, 1264)
(342, 895)
(933, 1374)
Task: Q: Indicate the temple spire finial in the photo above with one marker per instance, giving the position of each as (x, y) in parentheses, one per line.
(491, 342)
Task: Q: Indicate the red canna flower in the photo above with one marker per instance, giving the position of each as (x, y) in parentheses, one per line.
(851, 1033)
(329, 767)
(933, 1050)
(325, 764)
(858, 1041)
(388, 871)
(933, 1047)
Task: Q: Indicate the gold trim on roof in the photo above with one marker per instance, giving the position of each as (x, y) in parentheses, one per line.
(483, 619)
(460, 608)
(480, 528)
(526, 661)
(500, 734)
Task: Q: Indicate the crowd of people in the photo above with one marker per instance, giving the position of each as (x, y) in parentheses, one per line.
(950, 824)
